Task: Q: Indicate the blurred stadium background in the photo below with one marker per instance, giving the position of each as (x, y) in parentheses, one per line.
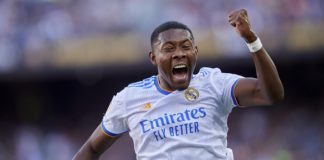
(61, 61)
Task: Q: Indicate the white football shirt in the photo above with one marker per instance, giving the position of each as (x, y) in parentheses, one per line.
(190, 124)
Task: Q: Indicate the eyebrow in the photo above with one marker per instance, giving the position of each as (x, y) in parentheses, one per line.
(172, 42)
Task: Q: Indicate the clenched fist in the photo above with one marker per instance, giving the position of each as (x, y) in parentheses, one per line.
(239, 20)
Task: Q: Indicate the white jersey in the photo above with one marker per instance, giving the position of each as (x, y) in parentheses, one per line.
(190, 124)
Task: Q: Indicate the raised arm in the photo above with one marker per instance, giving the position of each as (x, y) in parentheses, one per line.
(98, 142)
(267, 87)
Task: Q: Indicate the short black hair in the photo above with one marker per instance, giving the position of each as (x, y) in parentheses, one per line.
(166, 26)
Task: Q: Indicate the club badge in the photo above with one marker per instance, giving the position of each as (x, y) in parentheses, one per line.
(191, 94)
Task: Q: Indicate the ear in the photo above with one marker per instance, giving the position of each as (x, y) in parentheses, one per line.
(196, 50)
(152, 58)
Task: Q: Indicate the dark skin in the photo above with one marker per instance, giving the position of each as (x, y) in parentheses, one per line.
(176, 46)
(173, 47)
(267, 88)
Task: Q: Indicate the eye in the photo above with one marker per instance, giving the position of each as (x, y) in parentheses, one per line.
(186, 47)
(168, 49)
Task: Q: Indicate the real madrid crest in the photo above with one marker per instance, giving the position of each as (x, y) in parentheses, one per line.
(191, 94)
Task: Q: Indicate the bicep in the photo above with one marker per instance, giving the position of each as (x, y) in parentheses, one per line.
(248, 93)
(98, 143)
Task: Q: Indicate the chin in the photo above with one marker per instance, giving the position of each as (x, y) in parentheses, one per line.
(182, 86)
(180, 82)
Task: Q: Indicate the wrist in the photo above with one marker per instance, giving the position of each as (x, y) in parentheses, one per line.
(255, 46)
(251, 37)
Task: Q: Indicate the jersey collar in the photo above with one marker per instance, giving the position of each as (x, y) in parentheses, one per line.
(159, 88)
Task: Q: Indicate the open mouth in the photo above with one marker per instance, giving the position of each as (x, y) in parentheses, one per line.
(179, 69)
(180, 72)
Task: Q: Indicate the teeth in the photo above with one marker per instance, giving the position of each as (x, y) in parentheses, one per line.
(180, 66)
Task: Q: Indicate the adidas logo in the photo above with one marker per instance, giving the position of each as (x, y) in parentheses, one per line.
(147, 106)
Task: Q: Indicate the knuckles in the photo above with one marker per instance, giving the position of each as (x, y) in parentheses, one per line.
(237, 13)
(238, 16)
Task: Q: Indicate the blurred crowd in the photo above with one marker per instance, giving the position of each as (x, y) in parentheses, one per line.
(294, 133)
(32, 143)
(277, 133)
(30, 30)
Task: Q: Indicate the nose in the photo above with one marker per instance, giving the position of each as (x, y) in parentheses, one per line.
(179, 55)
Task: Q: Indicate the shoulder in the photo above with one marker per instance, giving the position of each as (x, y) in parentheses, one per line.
(206, 72)
(137, 88)
(215, 73)
(136, 93)
(145, 83)
(215, 78)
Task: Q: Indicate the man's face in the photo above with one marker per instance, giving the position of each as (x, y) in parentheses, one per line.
(175, 55)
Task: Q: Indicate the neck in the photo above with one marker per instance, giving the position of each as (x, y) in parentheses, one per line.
(163, 85)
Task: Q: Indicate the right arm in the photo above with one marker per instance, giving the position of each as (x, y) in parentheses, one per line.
(98, 143)
(105, 134)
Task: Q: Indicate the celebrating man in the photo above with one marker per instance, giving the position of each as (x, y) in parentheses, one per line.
(180, 115)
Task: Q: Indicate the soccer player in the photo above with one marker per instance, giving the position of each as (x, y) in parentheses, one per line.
(176, 114)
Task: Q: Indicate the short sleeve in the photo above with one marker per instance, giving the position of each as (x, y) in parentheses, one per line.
(228, 97)
(114, 121)
(225, 83)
